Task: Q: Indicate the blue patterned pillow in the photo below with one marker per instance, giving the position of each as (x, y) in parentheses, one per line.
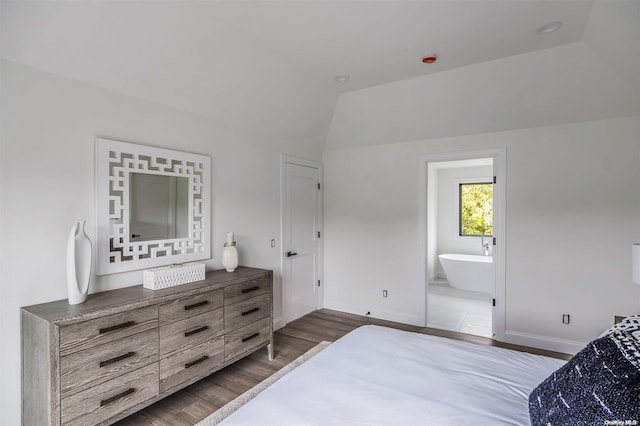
(630, 324)
(599, 385)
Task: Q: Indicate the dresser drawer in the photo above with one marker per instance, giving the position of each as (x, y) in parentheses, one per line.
(87, 334)
(245, 312)
(89, 367)
(191, 331)
(193, 362)
(245, 338)
(188, 306)
(237, 293)
(103, 401)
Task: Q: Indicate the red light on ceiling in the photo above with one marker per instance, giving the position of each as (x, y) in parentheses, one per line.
(429, 59)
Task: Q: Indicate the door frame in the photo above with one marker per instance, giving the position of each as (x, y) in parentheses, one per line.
(288, 159)
(499, 156)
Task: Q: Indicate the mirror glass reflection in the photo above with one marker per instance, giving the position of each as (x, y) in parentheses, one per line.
(159, 207)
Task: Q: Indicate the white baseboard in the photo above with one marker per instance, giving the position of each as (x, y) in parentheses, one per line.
(278, 323)
(517, 338)
(376, 313)
(542, 342)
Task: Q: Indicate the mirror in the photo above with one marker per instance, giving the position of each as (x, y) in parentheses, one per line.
(153, 206)
(159, 207)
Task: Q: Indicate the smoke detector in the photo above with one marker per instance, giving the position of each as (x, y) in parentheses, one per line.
(429, 59)
(549, 28)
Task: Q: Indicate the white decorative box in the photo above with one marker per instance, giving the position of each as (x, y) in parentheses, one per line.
(172, 275)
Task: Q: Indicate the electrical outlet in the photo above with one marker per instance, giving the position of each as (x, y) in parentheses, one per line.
(566, 318)
(385, 293)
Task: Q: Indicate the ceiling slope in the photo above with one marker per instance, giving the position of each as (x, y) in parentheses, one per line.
(553, 86)
(268, 66)
(613, 32)
(377, 42)
(595, 78)
(176, 54)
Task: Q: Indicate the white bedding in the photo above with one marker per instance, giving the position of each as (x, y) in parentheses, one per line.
(382, 376)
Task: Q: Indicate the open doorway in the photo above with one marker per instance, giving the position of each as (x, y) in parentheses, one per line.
(460, 291)
(464, 249)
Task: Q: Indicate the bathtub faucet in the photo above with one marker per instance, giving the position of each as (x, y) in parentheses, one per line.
(485, 246)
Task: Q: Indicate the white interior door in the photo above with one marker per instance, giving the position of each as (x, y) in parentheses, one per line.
(301, 233)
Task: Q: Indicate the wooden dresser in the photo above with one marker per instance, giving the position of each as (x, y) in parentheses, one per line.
(97, 362)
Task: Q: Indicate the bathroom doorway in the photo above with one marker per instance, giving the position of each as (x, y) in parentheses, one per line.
(464, 253)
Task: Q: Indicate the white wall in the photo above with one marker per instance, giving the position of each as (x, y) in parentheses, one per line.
(49, 125)
(573, 210)
(448, 234)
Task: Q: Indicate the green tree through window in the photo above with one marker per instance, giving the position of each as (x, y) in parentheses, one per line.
(476, 209)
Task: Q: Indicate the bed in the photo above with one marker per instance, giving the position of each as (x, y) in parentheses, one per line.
(382, 376)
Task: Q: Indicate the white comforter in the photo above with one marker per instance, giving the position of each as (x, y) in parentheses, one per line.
(382, 376)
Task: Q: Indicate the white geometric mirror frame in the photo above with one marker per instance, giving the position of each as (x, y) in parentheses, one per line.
(115, 162)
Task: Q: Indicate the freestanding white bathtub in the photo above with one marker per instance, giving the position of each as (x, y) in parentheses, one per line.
(468, 271)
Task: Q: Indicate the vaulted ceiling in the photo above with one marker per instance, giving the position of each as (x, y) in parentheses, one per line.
(269, 65)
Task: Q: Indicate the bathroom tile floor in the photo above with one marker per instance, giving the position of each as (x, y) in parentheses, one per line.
(459, 310)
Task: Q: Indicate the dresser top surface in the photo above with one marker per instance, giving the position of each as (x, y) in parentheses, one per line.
(132, 297)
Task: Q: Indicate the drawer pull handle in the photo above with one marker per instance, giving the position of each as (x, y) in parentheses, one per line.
(197, 361)
(196, 305)
(116, 359)
(253, 336)
(250, 289)
(197, 330)
(250, 311)
(118, 396)
(116, 327)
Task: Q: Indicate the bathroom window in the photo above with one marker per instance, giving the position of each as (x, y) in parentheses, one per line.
(476, 209)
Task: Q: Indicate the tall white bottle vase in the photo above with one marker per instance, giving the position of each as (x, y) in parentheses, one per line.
(230, 257)
(78, 264)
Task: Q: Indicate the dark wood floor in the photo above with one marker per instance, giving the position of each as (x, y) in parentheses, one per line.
(197, 401)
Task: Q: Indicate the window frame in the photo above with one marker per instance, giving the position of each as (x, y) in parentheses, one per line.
(462, 182)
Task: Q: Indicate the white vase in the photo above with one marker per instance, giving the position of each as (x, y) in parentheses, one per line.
(78, 264)
(230, 257)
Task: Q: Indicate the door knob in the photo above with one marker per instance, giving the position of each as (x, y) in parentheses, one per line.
(290, 253)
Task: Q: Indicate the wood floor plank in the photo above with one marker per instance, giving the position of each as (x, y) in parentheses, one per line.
(134, 420)
(196, 411)
(301, 334)
(185, 401)
(286, 345)
(257, 369)
(154, 415)
(264, 364)
(200, 399)
(335, 326)
(330, 317)
(309, 331)
(233, 379)
(211, 392)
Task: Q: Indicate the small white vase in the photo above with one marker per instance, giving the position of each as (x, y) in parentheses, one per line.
(230, 257)
(78, 264)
